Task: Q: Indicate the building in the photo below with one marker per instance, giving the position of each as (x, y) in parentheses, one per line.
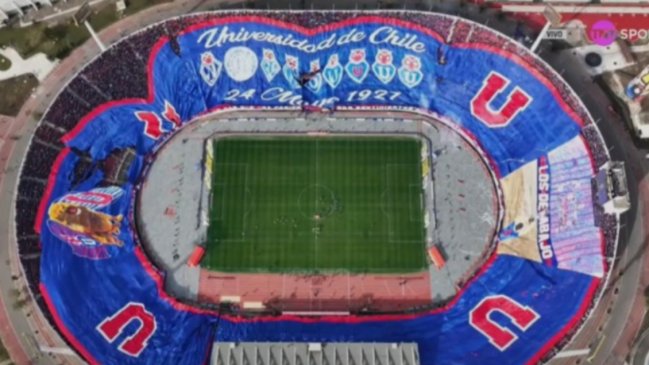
(18, 8)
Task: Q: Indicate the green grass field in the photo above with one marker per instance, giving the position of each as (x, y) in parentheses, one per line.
(316, 204)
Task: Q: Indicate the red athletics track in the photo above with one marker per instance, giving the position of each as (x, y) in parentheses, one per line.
(311, 292)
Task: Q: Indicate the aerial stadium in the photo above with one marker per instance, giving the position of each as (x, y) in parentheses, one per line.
(317, 187)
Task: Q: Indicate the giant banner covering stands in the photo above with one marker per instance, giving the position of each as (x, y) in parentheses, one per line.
(108, 300)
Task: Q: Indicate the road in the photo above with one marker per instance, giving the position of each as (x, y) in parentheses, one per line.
(641, 353)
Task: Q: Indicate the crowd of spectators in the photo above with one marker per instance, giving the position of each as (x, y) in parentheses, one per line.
(118, 73)
(596, 145)
(49, 134)
(32, 269)
(440, 25)
(25, 217)
(461, 32)
(117, 166)
(142, 42)
(39, 161)
(609, 227)
(66, 111)
(89, 93)
(29, 246)
(31, 189)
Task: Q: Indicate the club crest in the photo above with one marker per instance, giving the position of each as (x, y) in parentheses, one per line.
(357, 68)
(269, 65)
(333, 71)
(291, 71)
(240, 63)
(210, 69)
(316, 80)
(382, 67)
(80, 220)
(410, 71)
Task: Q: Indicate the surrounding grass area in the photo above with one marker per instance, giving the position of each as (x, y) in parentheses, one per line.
(4, 355)
(5, 64)
(59, 40)
(15, 92)
(56, 41)
(321, 204)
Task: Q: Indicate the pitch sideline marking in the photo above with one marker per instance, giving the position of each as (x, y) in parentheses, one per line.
(390, 169)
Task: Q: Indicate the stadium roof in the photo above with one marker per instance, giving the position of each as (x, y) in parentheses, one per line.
(291, 353)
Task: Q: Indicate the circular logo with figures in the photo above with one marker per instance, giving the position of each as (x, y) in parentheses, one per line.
(240, 63)
(85, 221)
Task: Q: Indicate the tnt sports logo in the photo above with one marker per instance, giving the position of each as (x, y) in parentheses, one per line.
(604, 33)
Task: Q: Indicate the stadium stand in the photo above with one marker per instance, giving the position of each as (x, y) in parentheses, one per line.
(38, 162)
(31, 189)
(50, 134)
(89, 93)
(108, 77)
(125, 79)
(66, 111)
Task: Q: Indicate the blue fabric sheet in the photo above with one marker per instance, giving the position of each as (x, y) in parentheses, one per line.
(89, 282)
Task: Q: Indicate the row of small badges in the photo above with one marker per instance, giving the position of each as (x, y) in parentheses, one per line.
(241, 63)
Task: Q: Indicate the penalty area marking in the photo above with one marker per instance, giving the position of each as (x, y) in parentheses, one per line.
(389, 175)
(418, 213)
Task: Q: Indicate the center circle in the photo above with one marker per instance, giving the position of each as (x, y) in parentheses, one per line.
(317, 202)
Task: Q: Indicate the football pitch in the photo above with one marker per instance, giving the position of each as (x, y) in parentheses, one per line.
(316, 204)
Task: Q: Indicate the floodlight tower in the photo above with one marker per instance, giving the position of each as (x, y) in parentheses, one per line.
(81, 16)
(553, 18)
